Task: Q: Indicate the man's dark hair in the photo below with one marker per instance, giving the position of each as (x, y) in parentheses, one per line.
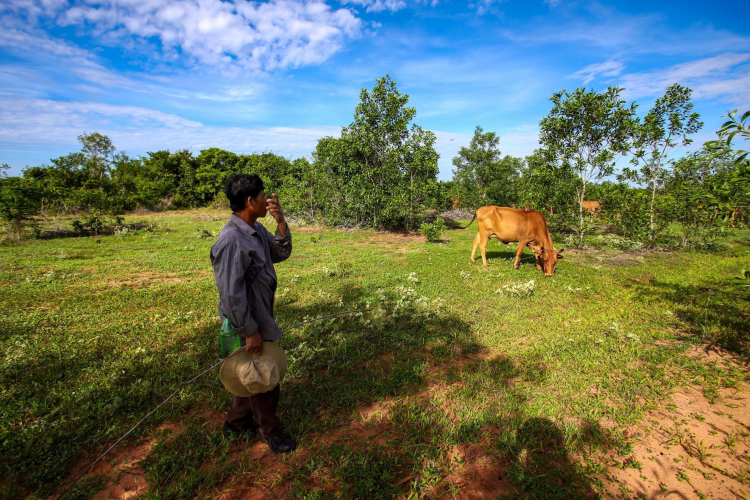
(240, 187)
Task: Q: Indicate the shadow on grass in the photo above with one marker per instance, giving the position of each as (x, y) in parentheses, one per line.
(78, 396)
(426, 447)
(69, 399)
(361, 359)
(540, 466)
(716, 314)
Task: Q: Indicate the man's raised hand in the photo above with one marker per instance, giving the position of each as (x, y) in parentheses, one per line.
(275, 208)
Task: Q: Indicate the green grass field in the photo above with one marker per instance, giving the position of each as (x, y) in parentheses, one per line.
(96, 331)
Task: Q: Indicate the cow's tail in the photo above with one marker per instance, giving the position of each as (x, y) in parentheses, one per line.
(472, 220)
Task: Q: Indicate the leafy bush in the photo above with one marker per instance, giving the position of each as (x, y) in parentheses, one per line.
(93, 225)
(433, 231)
(20, 202)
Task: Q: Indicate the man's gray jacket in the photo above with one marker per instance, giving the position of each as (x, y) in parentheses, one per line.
(243, 259)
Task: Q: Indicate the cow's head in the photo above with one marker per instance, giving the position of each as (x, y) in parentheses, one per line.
(549, 258)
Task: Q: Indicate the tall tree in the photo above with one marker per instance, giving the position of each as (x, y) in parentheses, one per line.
(483, 176)
(586, 132)
(665, 128)
(383, 166)
(98, 151)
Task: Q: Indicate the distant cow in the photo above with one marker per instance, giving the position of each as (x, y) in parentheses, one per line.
(528, 228)
(592, 207)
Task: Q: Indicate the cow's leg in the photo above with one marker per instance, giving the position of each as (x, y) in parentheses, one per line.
(521, 246)
(538, 265)
(476, 245)
(483, 248)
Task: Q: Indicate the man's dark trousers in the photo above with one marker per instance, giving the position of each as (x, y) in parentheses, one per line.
(262, 408)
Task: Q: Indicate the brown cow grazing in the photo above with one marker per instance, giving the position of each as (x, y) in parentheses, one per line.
(528, 228)
(593, 208)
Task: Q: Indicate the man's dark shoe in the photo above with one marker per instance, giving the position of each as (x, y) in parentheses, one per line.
(249, 430)
(281, 444)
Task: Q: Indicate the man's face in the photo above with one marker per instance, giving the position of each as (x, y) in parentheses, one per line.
(258, 205)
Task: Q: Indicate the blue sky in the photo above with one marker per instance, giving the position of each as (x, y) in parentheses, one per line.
(277, 76)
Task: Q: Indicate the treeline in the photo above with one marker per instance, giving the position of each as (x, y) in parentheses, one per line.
(585, 137)
(382, 172)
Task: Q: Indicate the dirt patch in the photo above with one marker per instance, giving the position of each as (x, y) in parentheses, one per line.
(715, 354)
(125, 478)
(308, 229)
(481, 477)
(690, 448)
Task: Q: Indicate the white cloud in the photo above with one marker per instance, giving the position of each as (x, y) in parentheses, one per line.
(138, 130)
(724, 76)
(378, 5)
(36, 45)
(239, 35)
(592, 71)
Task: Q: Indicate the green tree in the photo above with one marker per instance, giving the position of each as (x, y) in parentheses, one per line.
(666, 127)
(20, 202)
(690, 184)
(547, 189)
(483, 176)
(585, 133)
(383, 168)
(80, 181)
(97, 150)
(732, 128)
(734, 187)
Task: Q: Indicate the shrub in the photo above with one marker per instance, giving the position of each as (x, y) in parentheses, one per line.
(433, 231)
(97, 225)
(92, 225)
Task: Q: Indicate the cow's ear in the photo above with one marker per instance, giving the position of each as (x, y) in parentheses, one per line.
(560, 251)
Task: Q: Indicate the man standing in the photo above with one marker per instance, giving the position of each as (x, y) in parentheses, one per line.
(243, 258)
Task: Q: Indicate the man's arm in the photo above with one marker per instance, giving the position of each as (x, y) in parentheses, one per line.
(281, 243)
